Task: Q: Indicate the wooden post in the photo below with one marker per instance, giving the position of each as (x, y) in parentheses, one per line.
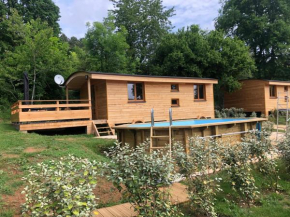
(89, 97)
(66, 97)
(186, 144)
(66, 94)
(57, 105)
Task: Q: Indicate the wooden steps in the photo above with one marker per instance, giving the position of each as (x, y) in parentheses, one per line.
(153, 137)
(102, 128)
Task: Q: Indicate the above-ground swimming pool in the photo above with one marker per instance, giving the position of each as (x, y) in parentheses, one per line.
(191, 122)
(181, 130)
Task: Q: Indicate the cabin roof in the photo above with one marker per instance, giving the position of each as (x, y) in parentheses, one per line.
(77, 79)
(270, 82)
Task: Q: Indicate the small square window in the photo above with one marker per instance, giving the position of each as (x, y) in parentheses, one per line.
(174, 87)
(285, 88)
(174, 102)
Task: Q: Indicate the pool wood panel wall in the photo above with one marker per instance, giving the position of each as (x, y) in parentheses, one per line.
(134, 137)
(157, 96)
(254, 95)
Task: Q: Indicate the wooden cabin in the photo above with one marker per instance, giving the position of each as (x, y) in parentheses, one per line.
(108, 99)
(260, 96)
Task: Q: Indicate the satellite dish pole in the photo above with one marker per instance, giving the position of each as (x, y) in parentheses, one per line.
(26, 88)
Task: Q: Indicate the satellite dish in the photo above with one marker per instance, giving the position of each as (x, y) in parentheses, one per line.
(58, 79)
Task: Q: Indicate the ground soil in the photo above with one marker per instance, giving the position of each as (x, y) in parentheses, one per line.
(33, 150)
(106, 192)
(14, 202)
(10, 155)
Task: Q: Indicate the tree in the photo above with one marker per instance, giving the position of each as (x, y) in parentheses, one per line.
(45, 10)
(106, 47)
(146, 21)
(193, 52)
(264, 25)
(40, 54)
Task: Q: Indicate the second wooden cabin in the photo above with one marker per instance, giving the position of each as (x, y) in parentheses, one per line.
(260, 96)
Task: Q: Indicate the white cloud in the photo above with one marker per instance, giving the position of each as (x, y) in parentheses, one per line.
(188, 12)
(76, 13)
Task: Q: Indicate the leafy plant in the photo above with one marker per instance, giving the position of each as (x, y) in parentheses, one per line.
(139, 175)
(230, 113)
(237, 165)
(284, 148)
(261, 152)
(61, 188)
(202, 158)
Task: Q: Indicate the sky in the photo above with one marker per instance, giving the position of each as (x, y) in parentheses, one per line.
(76, 13)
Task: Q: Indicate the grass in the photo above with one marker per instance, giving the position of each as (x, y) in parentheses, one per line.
(14, 161)
(270, 203)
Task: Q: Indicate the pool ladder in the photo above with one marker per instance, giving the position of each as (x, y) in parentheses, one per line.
(152, 136)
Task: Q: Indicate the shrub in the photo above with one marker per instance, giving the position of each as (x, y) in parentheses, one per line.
(237, 165)
(261, 149)
(230, 113)
(284, 148)
(139, 175)
(253, 115)
(202, 158)
(61, 188)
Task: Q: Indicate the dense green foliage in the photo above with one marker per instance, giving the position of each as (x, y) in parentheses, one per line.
(106, 47)
(146, 21)
(45, 10)
(39, 53)
(264, 25)
(193, 52)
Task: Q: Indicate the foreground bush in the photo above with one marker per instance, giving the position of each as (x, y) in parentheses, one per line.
(202, 159)
(284, 148)
(61, 188)
(139, 175)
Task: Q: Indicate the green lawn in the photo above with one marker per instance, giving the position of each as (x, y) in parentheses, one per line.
(14, 163)
(14, 160)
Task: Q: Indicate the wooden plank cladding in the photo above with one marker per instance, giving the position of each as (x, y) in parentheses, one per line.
(229, 132)
(254, 96)
(157, 96)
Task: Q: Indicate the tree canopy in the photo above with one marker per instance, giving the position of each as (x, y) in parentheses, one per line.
(106, 47)
(264, 25)
(39, 53)
(146, 22)
(193, 52)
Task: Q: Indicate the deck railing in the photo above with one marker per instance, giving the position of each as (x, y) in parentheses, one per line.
(49, 110)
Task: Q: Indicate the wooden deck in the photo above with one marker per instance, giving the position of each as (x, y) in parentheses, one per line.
(50, 114)
(178, 195)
